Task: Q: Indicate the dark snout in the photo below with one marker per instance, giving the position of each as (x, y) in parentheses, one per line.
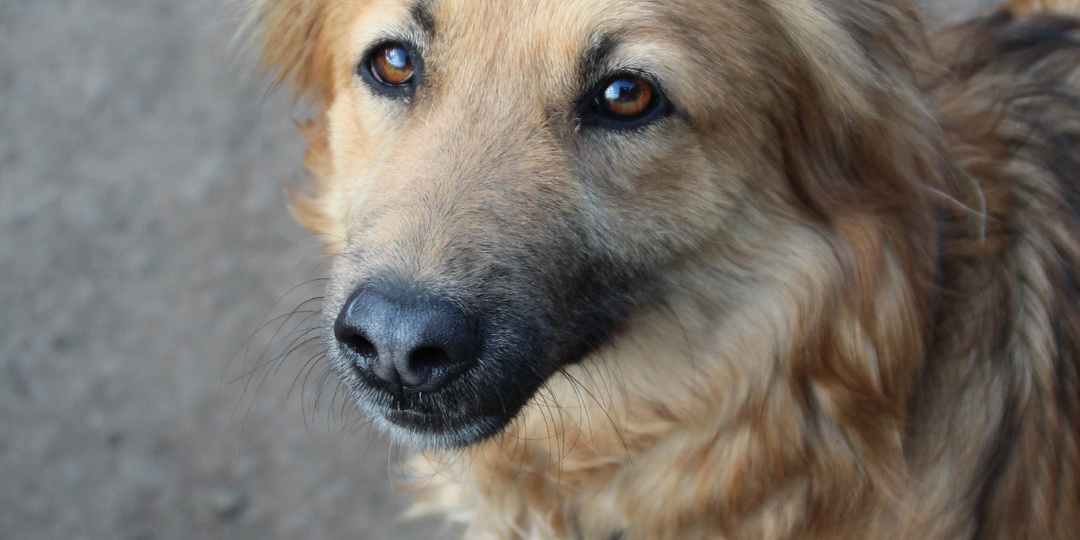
(405, 341)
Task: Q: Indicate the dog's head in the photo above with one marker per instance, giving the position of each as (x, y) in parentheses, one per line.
(509, 183)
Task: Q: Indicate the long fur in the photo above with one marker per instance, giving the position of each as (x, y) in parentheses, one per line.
(874, 333)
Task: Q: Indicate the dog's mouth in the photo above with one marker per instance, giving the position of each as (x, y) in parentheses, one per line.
(471, 405)
(441, 429)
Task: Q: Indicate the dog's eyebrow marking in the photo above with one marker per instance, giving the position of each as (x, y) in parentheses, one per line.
(421, 12)
(597, 57)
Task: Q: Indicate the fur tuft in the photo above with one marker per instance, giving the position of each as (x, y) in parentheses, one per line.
(293, 40)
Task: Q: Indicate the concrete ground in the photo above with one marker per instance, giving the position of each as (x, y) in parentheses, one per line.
(144, 239)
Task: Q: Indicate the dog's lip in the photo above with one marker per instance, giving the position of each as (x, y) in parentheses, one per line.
(412, 417)
(441, 431)
(421, 421)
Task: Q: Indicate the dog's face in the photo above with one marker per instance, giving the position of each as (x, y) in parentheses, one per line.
(513, 182)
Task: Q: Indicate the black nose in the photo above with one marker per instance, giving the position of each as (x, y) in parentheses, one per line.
(405, 339)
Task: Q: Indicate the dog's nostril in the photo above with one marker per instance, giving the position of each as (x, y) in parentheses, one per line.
(428, 358)
(352, 338)
(359, 345)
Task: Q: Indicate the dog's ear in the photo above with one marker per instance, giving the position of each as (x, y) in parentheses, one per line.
(293, 41)
(856, 131)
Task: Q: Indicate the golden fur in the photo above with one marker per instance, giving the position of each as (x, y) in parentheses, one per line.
(867, 235)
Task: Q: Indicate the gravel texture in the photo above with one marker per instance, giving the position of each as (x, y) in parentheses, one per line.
(145, 238)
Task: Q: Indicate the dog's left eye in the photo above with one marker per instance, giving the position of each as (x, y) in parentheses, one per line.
(624, 101)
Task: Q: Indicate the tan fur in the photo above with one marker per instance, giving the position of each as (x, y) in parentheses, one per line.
(873, 324)
(1026, 7)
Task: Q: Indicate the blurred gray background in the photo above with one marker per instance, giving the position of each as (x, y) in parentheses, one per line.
(143, 240)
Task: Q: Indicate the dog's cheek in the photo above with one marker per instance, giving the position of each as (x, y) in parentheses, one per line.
(658, 194)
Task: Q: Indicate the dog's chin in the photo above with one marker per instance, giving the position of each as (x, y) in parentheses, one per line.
(434, 431)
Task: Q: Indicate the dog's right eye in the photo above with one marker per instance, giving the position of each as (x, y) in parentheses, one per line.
(626, 98)
(392, 65)
(391, 68)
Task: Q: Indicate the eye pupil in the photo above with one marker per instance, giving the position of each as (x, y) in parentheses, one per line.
(622, 90)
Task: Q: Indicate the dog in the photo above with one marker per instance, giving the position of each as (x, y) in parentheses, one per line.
(698, 269)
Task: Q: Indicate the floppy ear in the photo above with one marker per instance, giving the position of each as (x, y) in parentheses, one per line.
(856, 131)
(295, 46)
(292, 36)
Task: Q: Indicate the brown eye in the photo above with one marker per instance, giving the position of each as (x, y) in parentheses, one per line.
(392, 65)
(626, 97)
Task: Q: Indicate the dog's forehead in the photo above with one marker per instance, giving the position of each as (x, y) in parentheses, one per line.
(540, 37)
(552, 29)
